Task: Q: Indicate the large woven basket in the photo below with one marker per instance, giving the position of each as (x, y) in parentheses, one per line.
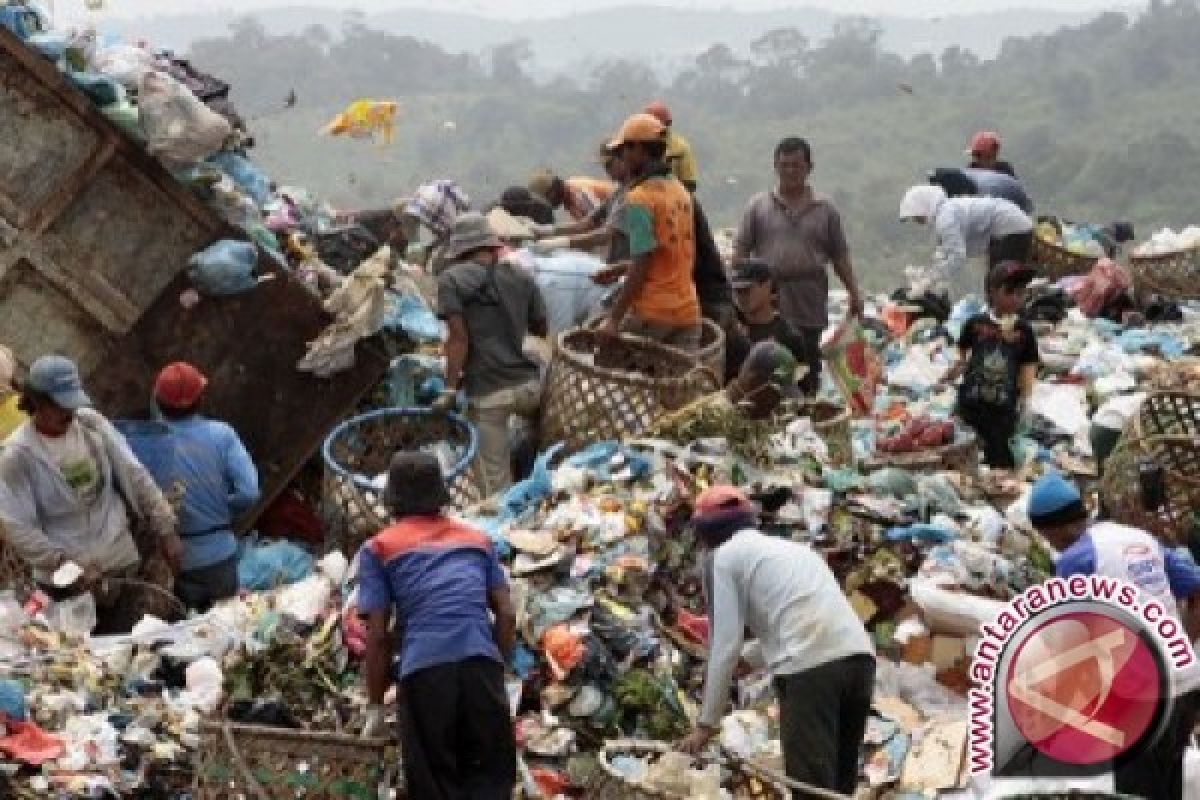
(1056, 262)
(599, 390)
(1175, 276)
(961, 455)
(14, 572)
(360, 450)
(608, 784)
(136, 599)
(832, 423)
(712, 344)
(261, 763)
(1166, 431)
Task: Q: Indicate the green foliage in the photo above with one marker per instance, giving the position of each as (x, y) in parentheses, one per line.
(1097, 119)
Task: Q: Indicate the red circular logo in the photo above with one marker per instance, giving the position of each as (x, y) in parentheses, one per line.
(1084, 688)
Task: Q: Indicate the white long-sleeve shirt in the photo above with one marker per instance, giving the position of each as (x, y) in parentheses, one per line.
(788, 598)
(965, 226)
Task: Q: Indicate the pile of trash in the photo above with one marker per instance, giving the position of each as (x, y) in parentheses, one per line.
(1168, 241)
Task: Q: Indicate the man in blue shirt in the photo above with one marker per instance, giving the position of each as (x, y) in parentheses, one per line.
(442, 578)
(209, 465)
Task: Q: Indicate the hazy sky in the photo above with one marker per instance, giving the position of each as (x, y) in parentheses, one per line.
(74, 9)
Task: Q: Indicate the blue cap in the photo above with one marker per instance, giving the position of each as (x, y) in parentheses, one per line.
(58, 377)
(1055, 501)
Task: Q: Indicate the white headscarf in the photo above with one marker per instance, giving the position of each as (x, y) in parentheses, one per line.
(922, 201)
(8, 366)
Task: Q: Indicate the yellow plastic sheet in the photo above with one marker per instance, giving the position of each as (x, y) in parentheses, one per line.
(365, 118)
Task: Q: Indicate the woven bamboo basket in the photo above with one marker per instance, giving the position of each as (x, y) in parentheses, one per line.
(599, 390)
(14, 573)
(136, 599)
(360, 449)
(712, 344)
(261, 763)
(1175, 276)
(961, 455)
(832, 423)
(1056, 262)
(1166, 431)
(608, 784)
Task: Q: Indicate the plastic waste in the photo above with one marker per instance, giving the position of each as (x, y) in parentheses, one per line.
(100, 89)
(409, 313)
(12, 699)
(75, 616)
(248, 177)
(265, 566)
(853, 364)
(224, 268)
(365, 118)
(180, 130)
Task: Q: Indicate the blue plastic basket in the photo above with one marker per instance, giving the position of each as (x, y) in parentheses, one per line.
(360, 449)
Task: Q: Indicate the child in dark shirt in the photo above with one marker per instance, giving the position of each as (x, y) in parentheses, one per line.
(998, 360)
(759, 321)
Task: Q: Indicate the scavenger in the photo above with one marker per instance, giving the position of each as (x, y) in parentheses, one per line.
(998, 362)
(218, 481)
(1161, 573)
(658, 299)
(441, 578)
(799, 233)
(968, 227)
(759, 320)
(489, 306)
(984, 151)
(817, 650)
(71, 490)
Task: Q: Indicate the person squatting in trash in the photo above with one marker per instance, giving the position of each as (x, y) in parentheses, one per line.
(440, 578)
(71, 490)
(809, 637)
(1161, 573)
(998, 362)
(489, 306)
(759, 320)
(658, 299)
(212, 470)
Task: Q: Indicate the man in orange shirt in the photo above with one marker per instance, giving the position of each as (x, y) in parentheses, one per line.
(579, 197)
(658, 299)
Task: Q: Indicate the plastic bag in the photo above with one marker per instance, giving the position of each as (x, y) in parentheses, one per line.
(1105, 283)
(124, 63)
(180, 130)
(853, 364)
(409, 313)
(249, 178)
(224, 268)
(265, 566)
(100, 89)
(365, 118)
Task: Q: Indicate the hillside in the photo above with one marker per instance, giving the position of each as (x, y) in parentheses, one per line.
(667, 37)
(1098, 118)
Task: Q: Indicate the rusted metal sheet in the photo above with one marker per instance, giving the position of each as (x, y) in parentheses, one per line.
(95, 236)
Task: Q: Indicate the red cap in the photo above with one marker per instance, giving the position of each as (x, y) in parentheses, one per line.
(984, 142)
(721, 500)
(179, 385)
(658, 109)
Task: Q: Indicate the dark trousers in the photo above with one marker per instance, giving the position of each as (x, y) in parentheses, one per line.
(199, 588)
(1158, 772)
(822, 719)
(456, 733)
(1014, 247)
(812, 358)
(995, 428)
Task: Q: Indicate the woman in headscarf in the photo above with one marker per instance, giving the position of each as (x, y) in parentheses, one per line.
(969, 227)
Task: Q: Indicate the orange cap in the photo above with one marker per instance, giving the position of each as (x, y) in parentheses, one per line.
(721, 499)
(179, 385)
(658, 109)
(984, 142)
(639, 128)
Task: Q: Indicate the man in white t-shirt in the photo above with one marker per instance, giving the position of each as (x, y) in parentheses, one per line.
(811, 640)
(1105, 548)
(71, 489)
